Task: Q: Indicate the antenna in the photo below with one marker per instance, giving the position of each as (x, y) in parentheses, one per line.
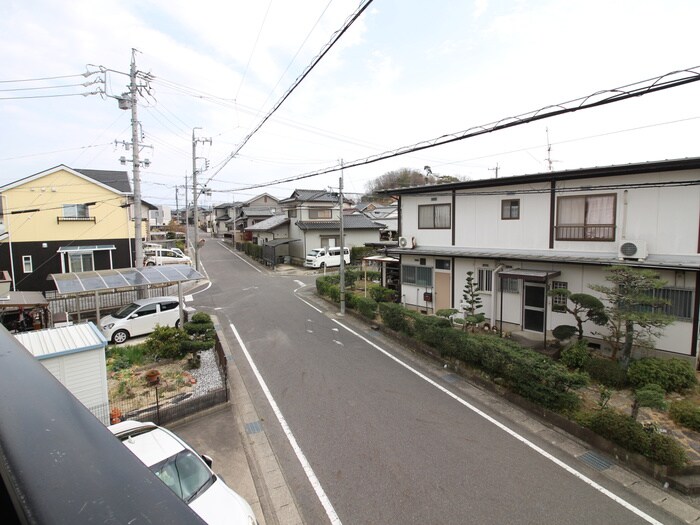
(495, 169)
(549, 152)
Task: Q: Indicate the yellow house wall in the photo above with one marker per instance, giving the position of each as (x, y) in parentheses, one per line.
(49, 193)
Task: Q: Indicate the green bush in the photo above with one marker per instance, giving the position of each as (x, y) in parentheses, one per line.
(167, 342)
(686, 413)
(564, 332)
(394, 318)
(576, 354)
(121, 357)
(381, 294)
(365, 306)
(633, 436)
(674, 375)
(446, 312)
(606, 372)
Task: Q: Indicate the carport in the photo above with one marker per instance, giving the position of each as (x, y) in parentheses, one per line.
(103, 282)
(270, 256)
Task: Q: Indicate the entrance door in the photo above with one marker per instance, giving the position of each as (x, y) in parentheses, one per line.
(533, 307)
(442, 290)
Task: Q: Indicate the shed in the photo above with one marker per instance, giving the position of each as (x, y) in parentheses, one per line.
(75, 355)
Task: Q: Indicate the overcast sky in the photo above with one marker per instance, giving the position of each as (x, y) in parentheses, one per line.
(405, 72)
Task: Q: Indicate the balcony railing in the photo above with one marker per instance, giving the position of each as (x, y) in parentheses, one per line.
(583, 232)
(60, 219)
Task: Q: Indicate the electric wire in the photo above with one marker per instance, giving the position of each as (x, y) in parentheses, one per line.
(252, 51)
(599, 98)
(334, 39)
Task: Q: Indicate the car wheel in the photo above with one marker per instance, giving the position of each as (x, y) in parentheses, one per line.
(150, 264)
(120, 336)
(177, 324)
(323, 265)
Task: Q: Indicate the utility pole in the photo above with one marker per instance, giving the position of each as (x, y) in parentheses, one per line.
(342, 242)
(138, 252)
(187, 217)
(129, 101)
(195, 194)
(495, 169)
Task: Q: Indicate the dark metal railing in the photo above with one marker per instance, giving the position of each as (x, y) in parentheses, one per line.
(60, 464)
(582, 232)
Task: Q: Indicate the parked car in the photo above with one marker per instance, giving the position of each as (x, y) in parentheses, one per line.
(326, 257)
(160, 256)
(141, 317)
(188, 474)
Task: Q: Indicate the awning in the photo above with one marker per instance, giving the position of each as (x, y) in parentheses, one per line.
(380, 258)
(80, 282)
(23, 300)
(538, 276)
(280, 242)
(86, 249)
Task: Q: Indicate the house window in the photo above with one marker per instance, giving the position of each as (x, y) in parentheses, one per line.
(80, 262)
(27, 265)
(292, 213)
(417, 275)
(484, 279)
(510, 209)
(75, 211)
(586, 218)
(559, 301)
(510, 285)
(320, 213)
(434, 216)
(442, 264)
(679, 302)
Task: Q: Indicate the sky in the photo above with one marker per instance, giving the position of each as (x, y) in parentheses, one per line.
(406, 71)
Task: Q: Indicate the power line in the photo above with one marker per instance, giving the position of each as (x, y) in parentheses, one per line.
(599, 98)
(252, 51)
(334, 39)
(86, 74)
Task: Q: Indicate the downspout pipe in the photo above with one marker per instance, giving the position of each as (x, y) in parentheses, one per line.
(494, 288)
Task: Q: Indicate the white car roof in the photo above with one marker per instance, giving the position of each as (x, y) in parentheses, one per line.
(148, 442)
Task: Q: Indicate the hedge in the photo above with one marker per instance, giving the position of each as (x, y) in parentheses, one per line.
(674, 375)
(647, 441)
(686, 413)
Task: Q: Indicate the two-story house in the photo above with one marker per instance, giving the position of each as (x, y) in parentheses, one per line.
(314, 222)
(525, 235)
(66, 220)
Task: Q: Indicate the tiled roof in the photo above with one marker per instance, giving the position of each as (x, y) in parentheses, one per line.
(119, 180)
(350, 222)
(269, 224)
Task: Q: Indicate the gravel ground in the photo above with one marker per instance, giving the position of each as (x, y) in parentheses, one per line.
(207, 375)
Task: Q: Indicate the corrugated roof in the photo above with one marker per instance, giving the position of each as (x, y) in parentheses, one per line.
(65, 340)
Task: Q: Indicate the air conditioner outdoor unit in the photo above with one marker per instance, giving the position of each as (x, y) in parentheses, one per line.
(403, 242)
(629, 249)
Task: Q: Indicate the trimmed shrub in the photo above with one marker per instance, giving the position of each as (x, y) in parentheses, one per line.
(576, 354)
(446, 312)
(634, 436)
(674, 375)
(686, 413)
(606, 372)
(366, 306)
(167, 342)
(393, 316)
(564, 332)
(381, 294)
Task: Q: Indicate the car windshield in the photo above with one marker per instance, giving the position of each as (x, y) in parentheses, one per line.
(126, 311)
(313, 253)
(185, 473)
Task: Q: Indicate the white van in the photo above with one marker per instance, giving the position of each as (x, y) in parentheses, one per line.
(326, 257)
(159, 256)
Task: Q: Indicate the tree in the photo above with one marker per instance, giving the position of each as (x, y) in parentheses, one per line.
(403, 178)
(651, 396)
(583, 307)
(633, 309)
(472, 303)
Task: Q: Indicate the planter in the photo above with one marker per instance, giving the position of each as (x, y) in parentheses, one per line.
(152, 377)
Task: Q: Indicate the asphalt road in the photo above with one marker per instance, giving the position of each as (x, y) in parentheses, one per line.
(371, 434)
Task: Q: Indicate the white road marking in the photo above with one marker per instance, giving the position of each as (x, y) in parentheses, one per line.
(310, 474)
(510, 431)
(301, 284)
